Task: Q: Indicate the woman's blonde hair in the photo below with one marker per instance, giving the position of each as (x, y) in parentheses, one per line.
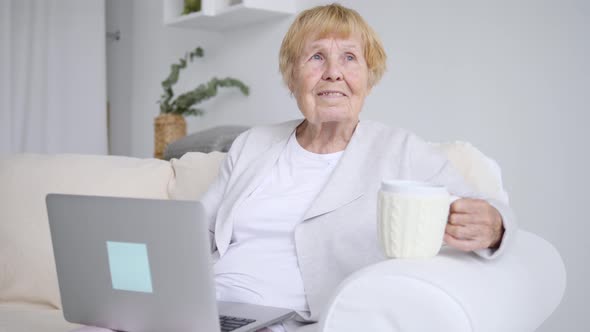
(321, 21)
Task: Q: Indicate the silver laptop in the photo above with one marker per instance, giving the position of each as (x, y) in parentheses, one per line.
(142, 265)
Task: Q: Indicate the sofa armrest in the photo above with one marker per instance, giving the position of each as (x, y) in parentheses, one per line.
(453, 291)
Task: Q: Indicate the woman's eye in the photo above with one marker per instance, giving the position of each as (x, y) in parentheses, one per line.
(316, 57)
(350, 57)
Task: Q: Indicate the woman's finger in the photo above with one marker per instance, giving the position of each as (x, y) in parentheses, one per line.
(467, 205)
(461, 232)
(459, 219)
(463, 245)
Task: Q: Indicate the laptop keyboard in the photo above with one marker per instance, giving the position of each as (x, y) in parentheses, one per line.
(229, 323)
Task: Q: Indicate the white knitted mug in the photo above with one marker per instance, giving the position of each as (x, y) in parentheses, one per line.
(411, 218)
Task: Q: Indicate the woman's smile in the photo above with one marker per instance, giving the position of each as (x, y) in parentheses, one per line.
(331, 94)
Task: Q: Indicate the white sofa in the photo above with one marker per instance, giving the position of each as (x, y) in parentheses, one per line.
(454, 291)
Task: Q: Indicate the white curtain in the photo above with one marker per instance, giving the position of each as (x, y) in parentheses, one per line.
(52, 76)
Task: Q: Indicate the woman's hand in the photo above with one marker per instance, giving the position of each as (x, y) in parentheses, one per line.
(473, 224)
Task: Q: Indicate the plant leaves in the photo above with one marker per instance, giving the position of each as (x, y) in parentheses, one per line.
(183, 103)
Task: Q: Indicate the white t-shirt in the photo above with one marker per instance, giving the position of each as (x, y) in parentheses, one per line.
(260, 265)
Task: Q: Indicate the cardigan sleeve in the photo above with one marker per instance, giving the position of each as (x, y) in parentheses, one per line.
(214, 195)
(428, 164)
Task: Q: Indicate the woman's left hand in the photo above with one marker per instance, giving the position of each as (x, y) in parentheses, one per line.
(473, 224)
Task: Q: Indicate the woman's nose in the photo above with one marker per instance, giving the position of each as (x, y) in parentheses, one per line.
(333, 71)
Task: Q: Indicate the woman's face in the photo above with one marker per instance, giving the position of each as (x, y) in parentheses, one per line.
(331, 79)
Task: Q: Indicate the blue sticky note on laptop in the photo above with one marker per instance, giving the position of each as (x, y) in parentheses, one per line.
(129, 266)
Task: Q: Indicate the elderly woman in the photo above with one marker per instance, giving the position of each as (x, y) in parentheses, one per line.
(293, 210)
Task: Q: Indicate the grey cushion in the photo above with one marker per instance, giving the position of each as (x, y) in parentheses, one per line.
(212, 139)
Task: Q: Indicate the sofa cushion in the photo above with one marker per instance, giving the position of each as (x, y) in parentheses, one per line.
(27, 268)
(28, 318)
(193, 173)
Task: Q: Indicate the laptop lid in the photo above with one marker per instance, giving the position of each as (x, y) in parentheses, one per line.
(133, 264)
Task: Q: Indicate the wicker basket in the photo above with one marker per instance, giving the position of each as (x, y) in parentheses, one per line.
(168, 128)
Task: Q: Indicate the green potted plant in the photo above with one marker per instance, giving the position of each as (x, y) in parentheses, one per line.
(170, 125)
(191, 6)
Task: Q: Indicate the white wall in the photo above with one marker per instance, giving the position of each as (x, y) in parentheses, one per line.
(119, 17)
(512, 77)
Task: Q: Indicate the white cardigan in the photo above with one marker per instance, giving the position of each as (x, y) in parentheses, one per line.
(338, 233)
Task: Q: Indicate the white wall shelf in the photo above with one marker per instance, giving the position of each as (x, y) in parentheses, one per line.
(222, 15)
